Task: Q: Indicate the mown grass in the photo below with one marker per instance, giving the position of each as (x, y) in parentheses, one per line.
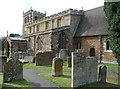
(61, 81)
(110, 66)
(45, 67)
(19, 84)
(1, 79)
(65, 81)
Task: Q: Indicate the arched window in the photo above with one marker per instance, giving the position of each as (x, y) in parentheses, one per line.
(62, 41)
(78, 45)
(36, 17)
(92, 52)
(107, 45)
(30, 44)
(39, 43)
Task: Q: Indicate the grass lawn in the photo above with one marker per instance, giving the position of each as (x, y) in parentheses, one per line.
(1, 79)
(61, 81)
(19, 84)
(46, 67)
(65, 81)
(110, 66)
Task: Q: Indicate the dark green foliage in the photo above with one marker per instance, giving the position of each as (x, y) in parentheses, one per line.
(112, 12)
(14, 35)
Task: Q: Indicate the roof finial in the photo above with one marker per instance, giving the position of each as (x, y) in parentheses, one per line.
(31, 8)
(82, 8)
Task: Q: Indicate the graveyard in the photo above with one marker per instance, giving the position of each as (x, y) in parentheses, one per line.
(77, 71)
(60, 56)
(66, 78)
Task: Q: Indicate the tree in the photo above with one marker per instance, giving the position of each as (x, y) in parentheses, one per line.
(112, 12)
(14, 35)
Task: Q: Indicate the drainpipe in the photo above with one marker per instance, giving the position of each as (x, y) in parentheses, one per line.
(100, 40)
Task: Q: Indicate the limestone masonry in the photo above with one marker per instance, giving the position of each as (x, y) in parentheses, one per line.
(70, 29)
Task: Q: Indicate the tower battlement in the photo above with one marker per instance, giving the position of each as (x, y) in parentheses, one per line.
(37, 16)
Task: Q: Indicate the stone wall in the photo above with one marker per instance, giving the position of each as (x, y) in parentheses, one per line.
(55, 40)
(94, 42)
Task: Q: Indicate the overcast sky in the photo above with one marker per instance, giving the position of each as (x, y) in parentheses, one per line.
(11, 11)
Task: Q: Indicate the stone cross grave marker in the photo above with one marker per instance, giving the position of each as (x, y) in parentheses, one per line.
(57, 67)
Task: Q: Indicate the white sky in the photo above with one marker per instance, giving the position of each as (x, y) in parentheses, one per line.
(11, 11)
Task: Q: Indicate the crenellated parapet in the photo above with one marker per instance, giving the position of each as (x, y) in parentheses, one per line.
(42, 16)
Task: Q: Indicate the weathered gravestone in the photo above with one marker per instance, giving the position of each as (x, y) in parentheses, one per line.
(13, 70)
(57, 67)
(63, 54)
(84, 70)
(3, 59)
(102, 73)
(91, 67)
(69, 63)
(30, 52)
(44, 58)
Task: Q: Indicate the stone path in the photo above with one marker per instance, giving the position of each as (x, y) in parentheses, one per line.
(33, 77)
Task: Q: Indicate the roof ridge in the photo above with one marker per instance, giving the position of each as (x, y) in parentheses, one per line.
(94, 8)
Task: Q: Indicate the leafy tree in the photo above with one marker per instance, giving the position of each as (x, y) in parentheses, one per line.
(14, 35)
(112, 11)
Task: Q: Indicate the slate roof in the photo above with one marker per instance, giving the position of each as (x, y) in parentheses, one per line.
(93, 23)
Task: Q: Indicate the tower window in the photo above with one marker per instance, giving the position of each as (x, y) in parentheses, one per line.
(46, 25)
(36, 17)
(53, 23)
(25, 20)
(30, 30)
(59, 22)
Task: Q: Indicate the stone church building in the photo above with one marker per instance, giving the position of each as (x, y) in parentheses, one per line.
(70, 29)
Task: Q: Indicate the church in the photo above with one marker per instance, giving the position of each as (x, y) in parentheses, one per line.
(69, 30)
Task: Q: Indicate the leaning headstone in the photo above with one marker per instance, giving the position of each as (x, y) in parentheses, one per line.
(102, 73)
(13, 70)
(84, 70)
(57, 67)
(63, 54)
(3, 59)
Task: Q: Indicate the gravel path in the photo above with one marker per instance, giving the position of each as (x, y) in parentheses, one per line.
(33, 77)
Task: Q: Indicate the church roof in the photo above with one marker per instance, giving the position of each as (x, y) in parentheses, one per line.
(93, 23)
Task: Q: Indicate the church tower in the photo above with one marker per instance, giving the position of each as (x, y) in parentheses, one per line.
(30, 17)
